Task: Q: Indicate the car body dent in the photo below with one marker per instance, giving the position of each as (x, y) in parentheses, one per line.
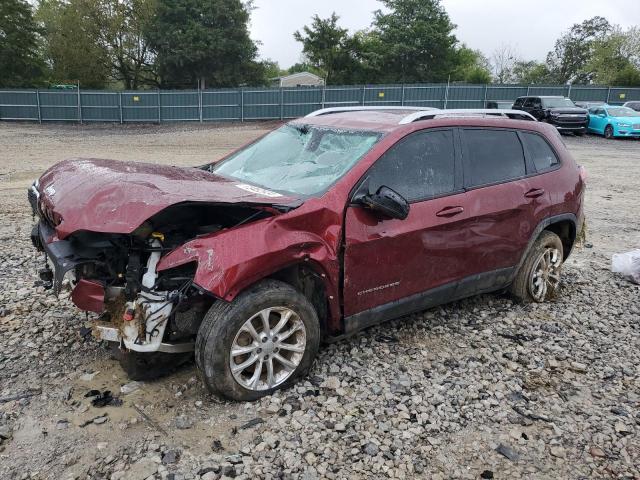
(117, 197)
(231, 260)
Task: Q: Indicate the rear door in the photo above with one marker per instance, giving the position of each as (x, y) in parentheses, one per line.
(597, 120)
(385, 259)
(503, 202)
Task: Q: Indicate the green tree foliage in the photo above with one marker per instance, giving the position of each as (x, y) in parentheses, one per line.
(569, 59)
(616, 58)
(70, 47)
(20, 63)
(472, 66)
(416, 40)
(531, 72)
(325, 47)
(196, 40)
(119, 28)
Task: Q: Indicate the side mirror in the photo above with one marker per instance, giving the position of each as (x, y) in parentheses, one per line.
(386, 202)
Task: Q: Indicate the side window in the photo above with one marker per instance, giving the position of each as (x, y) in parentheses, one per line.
(539, 151)
(492, 156)
(537, 103)
(418, 167)
(528, 102)
(519, 102)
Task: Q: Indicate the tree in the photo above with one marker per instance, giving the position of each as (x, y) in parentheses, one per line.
(503, 60)
(530, 72)
(119, 27)
(324, 45)
(472, 66)
(417, 41)
(20, 62)
(616, 58)
(573, 50)
(196, 42)
(71, 50)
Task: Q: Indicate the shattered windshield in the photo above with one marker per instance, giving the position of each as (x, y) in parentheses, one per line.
(300, 159)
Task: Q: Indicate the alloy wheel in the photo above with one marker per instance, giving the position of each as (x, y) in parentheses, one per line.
(545, 276)
(268, 348)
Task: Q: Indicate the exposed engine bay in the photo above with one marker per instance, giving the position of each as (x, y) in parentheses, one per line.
(116, 276)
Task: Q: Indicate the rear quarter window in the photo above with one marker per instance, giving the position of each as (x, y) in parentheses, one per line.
(542, 155)
(492, 156)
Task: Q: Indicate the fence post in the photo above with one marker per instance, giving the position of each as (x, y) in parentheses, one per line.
(241, 104)
(608, 94)
(281, 103)
(528, 89)
(79, 105)
(324, 95)
(486, 87)
(569, 91)
(38, 103)
(159, 109)
(364, 92)
(120, 106)
(200, 102)
(446, 96)
(402, 98)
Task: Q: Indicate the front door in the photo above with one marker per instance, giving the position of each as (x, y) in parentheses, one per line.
(387, 260)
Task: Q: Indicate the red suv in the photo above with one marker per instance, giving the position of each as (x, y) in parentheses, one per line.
(327, 225)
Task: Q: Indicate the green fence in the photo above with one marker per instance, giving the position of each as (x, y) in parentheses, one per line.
(269, 103)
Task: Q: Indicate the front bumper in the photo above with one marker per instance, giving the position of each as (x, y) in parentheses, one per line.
(106, 331)
(60, 253)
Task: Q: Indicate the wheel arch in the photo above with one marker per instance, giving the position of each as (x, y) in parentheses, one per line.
(567, 231)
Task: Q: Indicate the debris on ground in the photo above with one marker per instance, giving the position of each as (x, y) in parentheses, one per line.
(628, 265)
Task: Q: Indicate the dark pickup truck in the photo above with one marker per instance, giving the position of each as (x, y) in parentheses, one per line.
(560, 112)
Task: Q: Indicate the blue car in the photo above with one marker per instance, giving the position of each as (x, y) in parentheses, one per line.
(614, 121)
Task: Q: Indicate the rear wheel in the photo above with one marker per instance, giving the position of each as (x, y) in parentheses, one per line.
(262, 341)
(539, 275)
(608, 132)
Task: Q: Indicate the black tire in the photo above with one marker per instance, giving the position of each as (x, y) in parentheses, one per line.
(608, 132)
(148, 366)
(522, 286)
(224, 320)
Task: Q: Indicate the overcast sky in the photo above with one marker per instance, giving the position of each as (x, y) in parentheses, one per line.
(530, 27)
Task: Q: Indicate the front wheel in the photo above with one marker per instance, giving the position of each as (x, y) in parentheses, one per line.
(262, 341)
(539, 275)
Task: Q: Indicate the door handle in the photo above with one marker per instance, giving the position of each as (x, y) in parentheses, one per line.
(449, 211)
(534, 193)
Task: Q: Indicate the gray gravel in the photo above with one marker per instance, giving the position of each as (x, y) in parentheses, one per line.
(482, 388)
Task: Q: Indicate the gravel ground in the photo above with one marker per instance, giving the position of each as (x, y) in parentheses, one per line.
(482, 388)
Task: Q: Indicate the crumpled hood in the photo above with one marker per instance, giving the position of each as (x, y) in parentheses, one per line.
(117, 197)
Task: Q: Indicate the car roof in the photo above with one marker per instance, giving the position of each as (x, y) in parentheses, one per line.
(388, 121)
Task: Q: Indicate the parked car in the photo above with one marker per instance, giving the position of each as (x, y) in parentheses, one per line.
(633, 105)
(325, 226)
(588, 105)
(558, 111)
(614, 121)
(502, 104)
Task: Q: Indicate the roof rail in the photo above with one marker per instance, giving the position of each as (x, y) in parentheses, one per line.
(326, 111)
(463, 112)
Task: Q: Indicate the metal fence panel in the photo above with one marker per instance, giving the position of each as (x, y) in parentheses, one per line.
(19, 105)
(270, 103)
(100, 106)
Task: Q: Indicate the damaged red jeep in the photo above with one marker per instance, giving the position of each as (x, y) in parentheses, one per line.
(329, 224)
